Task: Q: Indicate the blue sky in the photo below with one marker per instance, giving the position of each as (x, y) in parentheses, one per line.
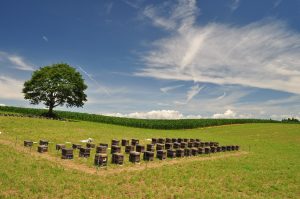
(160, 59)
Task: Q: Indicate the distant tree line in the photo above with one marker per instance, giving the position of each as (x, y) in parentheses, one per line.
(290, 120)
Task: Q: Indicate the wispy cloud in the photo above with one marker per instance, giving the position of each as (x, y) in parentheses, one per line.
(221, 97)
(109, 7)
(277, 3)
(16, 61)
(263, 54)
(10, 88)
(234, 5)
(45, 38)
(191, 93)
(170, 88)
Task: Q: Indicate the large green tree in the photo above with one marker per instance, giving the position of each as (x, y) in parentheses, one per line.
(54, 86)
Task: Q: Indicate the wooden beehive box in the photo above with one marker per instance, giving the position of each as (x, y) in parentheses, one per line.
(160, 147)
(179, 140)
(117, 158)
(148, 156)
(100, 159)
(154, 140)
(103, 144)
(197, 140)
(44, 142)
(187, 152)
(42, 148)
(90, 145)
(207, 150)
(101, 149)
(202, 144)
(129, 148)
(76, 146)
(196, 144)
(171, 153)
(190, 144)
(28, 143)
(134, 142)
(168, 140)
(206, 143)
(168, 146)
(161, 140)
(185, 139)
(161, 154)
(150, 147)
(115, 142)
(179, 153)
(213, 149)
(176, 145)
(183, 145)
(237, 147)
(60, 146)
(174, 140)
(134, 157)
(192, 140)
(84, 152)
(201, 150)
(228, 148)
(232, 148)
(195, 151)
(67, 153)
(223, 148)
(125, 142)
(219, 149)
(140, 148)
(115, 149)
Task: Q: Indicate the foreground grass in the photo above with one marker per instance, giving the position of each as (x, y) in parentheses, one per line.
(270, 170)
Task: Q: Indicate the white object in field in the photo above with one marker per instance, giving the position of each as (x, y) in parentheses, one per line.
(0, 132)
(89, 140)
(149, 139)
(34, 142)
(68, 142)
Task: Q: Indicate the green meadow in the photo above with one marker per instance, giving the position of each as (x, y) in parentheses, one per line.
(268, 165)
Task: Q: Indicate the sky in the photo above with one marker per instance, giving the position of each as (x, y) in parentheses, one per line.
(160, 59)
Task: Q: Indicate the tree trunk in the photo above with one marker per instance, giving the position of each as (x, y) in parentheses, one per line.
(50, 111)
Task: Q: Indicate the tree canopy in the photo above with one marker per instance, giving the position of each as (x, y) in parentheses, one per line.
(56, 85)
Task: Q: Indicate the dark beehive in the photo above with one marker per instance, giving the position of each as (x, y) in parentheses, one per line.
(179, 153)
(196, 144)
(129, 148)
(176, 145)
(216, 143)
(160, 147)
(161, 140)
(168, 140)
(232, 148)
(60, 146)
(202, 144)
(28, 143)
(115, 149)
(117, 158)
(44, 142)
(197, 140)
(201, 150)
(195, 151)
(67, 153)
(219, 149)
(191, 140)
(207, 150)
(90, 145)
(161, 154)
(140, 148)
(228, 148)
(187, 152)
(103, 144)
(213, 144)
(134, 157)
(76, 146)
(42, 148)
(148, 156)
(179, 140)
(223, 148)
(185, 140)
(213, 149)
(84, 152)
(134, 142)
(125, 142)
(237, 147)
(171, 153)
(191, 144)
(100, 159)
(115, 142)
(183, 145)
(154, 140)
(101, 149)
(168, 146)
(206, 143)
(174, 140)
(150, 147)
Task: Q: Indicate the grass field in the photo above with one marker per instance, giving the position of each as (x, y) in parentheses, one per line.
(271, 169)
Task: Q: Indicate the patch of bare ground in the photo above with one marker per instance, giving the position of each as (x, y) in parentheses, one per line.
(71, 165)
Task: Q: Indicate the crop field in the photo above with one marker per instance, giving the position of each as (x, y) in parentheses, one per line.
(267, 166)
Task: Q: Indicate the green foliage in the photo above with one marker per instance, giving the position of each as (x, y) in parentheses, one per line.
(140, 123)
(56, 85)
(290, 120)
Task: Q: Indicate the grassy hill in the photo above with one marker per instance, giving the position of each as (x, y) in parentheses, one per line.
(140, 123)
(268, 165)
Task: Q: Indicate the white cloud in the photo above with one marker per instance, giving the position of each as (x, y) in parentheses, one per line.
(15, 60)
(45, 38)
(170, 88)
(10, 88)
(194, 90)
(234, 5)
(2, 105)
(277, 3)
(109, 7)
(156, 114)
(222, 96)
(263, 54)
(227, 114)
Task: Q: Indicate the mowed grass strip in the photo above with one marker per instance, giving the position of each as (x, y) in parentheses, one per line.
(270, 170)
